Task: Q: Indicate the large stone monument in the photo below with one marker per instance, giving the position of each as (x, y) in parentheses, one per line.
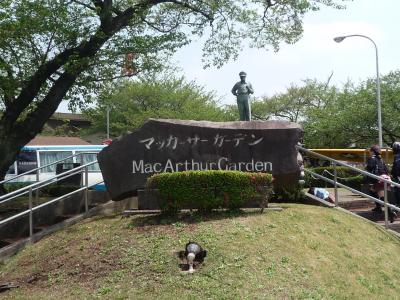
(178, 145)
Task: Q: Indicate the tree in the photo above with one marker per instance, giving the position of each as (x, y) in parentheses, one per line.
(338, 117)
(293, 104)
(52, 50)
(351, 118)
(132, 103)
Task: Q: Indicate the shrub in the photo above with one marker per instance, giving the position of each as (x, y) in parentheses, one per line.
(57, 190)
(52, 190)
(206, 190)
(13, 186)
(289, 194)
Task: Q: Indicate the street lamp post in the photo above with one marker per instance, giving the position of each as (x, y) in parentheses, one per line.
(108, 122)
(378, 86)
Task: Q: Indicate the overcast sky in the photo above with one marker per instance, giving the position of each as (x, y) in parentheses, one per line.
(315, 56)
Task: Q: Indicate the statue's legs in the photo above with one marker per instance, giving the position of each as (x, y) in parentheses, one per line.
(241, 109)
(243, 106)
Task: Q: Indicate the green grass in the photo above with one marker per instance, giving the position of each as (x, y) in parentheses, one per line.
(302, 252)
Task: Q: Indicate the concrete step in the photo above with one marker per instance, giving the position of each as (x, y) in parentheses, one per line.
(41, 227)
(3, 243)
(356, 203)
(377, 217)
(8, 241)
(37, 228)
(61, 218)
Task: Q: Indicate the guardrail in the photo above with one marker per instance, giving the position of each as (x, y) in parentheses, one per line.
(36, 170)
(337, 184)
(37, 185)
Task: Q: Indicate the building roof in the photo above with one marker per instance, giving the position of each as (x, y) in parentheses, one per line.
(56, 140)
(69, 116)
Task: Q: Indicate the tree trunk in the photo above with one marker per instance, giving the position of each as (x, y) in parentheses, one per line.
(16, 132)
(9, 150)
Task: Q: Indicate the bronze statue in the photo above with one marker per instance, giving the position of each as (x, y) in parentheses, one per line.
(242, 91)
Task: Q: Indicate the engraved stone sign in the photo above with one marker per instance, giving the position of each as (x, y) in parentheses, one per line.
(181, 145)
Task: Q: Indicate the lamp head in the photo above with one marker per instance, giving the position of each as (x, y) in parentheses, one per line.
(338, 39)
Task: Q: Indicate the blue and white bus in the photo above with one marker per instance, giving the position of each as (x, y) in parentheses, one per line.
(32, 157)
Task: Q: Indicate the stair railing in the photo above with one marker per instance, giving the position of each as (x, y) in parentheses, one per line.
(337, 184)
(37, 185)
(37, 170)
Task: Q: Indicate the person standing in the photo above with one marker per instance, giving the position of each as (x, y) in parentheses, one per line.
(376, 166)
(242, 91)
(396, 171)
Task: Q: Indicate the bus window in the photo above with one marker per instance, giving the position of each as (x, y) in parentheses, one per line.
(26, 161)
(11, 170)
(87, 158)
(48, 157)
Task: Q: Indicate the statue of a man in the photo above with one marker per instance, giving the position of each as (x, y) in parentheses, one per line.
(242, 91)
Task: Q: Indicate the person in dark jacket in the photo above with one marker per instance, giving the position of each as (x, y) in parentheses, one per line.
(396, 171)
(377, 166)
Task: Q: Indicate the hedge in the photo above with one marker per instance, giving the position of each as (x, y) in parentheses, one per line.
(345, 175)
(289, 194)
(52, 190)
(206, 190)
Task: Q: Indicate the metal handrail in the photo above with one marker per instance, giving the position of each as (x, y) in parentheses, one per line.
(45, 166)
(36, 185)
(353, 190)
(47, 203)
(338, 184)
(337, 162)
(16, 195)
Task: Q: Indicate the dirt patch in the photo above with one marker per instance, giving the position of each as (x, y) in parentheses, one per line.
(187, 217)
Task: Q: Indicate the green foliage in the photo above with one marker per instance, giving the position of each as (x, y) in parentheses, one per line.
(206, 190)
(53, 190)
(10, 187)
(351, 116)
(34, 33)
(337, 117)
(54, 50)
(295, 103)
(345, 176)
(289, 194)
(57, 190)
(64, 129)
(133, 103)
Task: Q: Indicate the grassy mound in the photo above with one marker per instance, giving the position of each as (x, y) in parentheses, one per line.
(302, 252)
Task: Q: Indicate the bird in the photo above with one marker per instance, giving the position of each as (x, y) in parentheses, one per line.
(194, 253)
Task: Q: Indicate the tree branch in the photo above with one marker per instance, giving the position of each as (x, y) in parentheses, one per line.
(6, 83)
(328, 81)
(86, 49)
(44, 72)
(152, 25)
(35, 120)
(209, 17)
(48, 48)
(258, 117)
(114, 77)
(83, 4)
